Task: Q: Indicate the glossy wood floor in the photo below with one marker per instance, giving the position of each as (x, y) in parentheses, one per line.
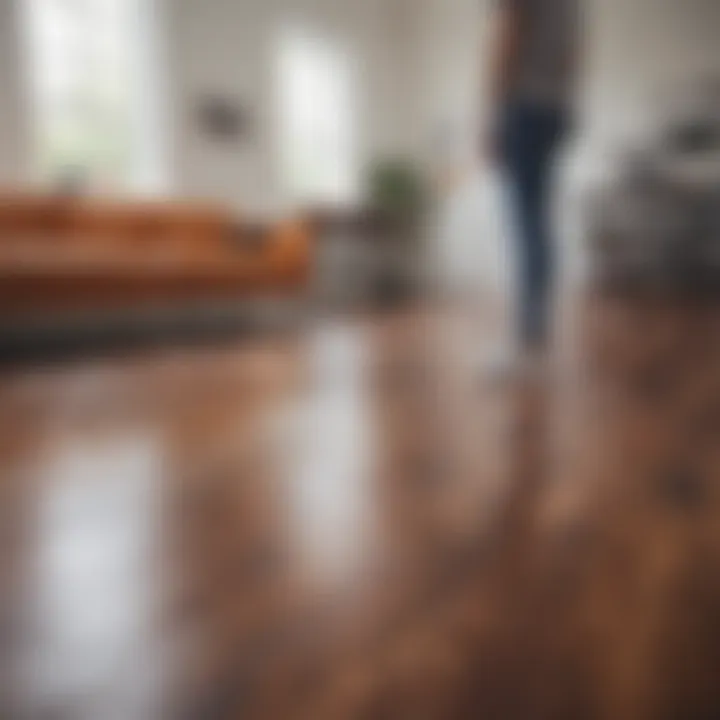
(355, 523)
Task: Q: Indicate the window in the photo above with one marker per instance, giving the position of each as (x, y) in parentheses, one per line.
(90, 94)
(316, 120)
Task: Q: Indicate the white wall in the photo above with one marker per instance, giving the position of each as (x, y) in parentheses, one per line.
(12, 109)
(226, 46)
(421, 73)
(637, 50)
(642, 49)
(443, 85)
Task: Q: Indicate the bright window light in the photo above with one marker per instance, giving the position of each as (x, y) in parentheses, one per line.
(317, 155)
(89, 92)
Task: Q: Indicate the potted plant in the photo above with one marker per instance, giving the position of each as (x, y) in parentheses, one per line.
(396, 198)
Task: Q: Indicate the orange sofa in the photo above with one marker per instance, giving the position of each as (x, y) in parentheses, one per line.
(59, 254)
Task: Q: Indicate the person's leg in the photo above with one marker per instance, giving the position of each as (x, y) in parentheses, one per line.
(531, 135)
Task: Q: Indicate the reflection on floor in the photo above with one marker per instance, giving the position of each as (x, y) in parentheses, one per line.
(356, 524)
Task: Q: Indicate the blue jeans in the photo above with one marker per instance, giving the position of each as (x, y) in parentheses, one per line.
(530, 137)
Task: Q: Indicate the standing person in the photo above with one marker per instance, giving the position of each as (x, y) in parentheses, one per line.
(533, 69)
